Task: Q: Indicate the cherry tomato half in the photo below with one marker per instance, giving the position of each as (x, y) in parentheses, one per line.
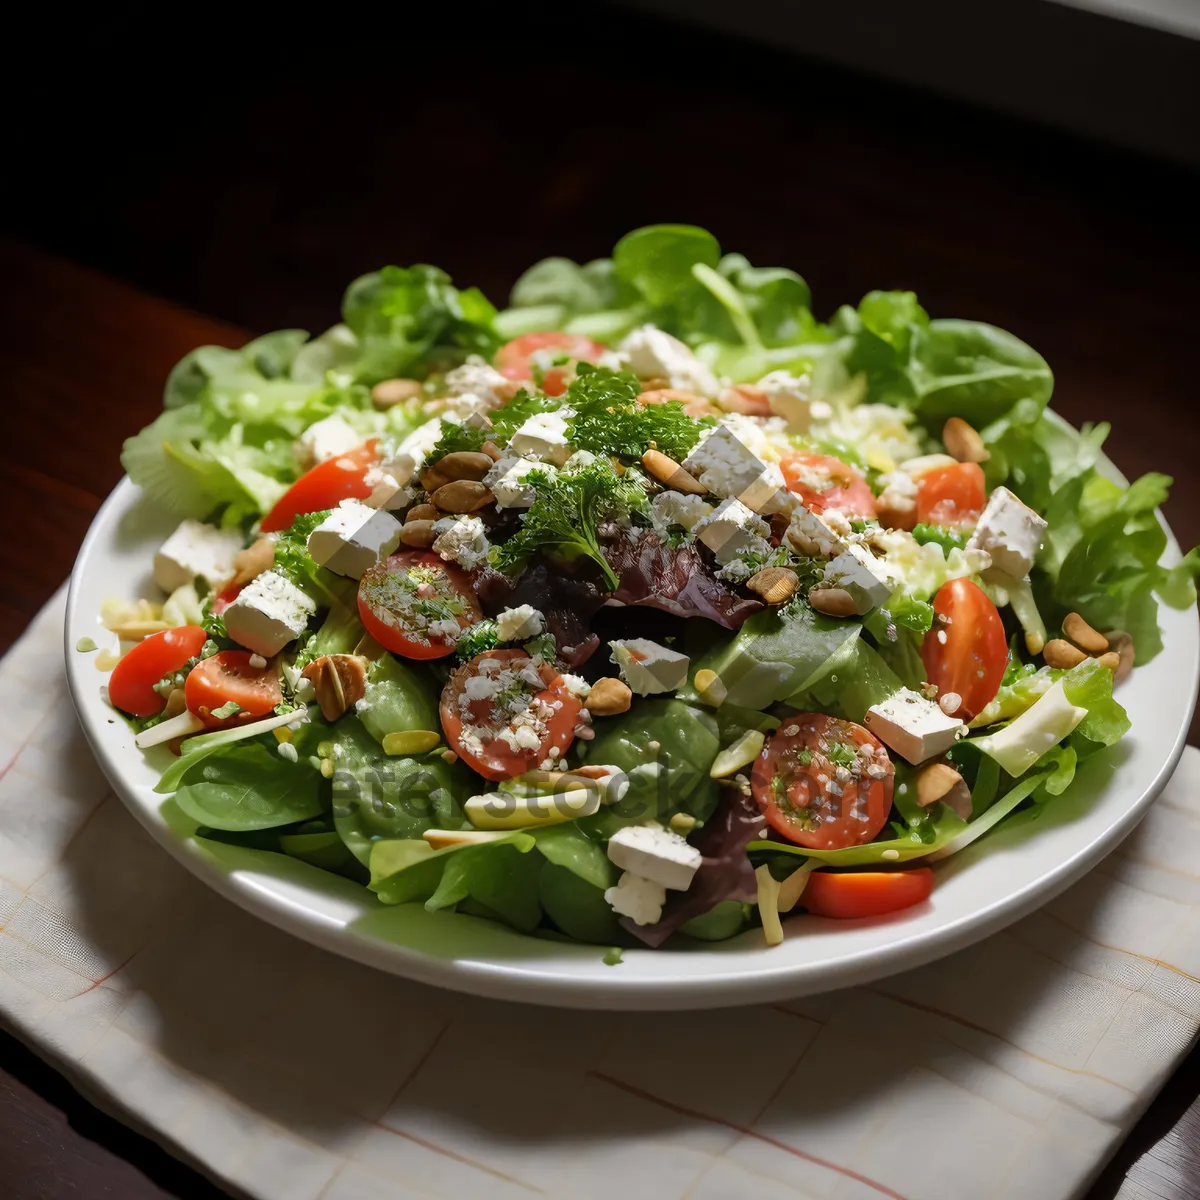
(515, 359)
(965, 651)
(954, 495)
(824, 782)
(851, 894)
(131, 685)
(490, 739)
(415, 605)
(822, 481)
(325, 486)
(229, 675)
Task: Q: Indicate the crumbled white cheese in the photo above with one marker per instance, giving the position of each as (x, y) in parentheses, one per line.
(326, 439)
(733, 531)
(816, 536)
(656, 854)
(857, 571)
(899, 493)
(790, 397)
(506, 480)
(577, 686)
(641, 900)
(479, 380)
(543, 436)
(652, 354)
(1010, 532)
(678, 508)
(519, 624)
(462, 540)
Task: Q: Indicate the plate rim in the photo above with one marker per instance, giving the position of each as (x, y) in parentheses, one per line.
(548, 985)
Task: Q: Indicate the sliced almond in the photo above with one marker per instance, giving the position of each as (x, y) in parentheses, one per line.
(254, 560)
(339, 682)
(462, 496)
(1083, 635)
(422, 512)
(609, 697)
(833, 602)
(1062, 654)
(934, 781)
(774, 584)
(417, 534)
(667, 470)
(391, 392)
(963, 441)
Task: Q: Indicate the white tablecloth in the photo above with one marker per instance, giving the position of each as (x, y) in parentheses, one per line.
(1012, 1069)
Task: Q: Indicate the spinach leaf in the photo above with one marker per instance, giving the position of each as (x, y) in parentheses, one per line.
(248, 786)
(567, 846)
(577, 907)
(399, 696)
(658, 259)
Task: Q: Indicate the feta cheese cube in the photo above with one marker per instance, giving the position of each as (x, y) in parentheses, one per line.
(543, 436)
(462, 540)
(678, 508)
(656, 854)
(857, 571)
(390, 479)
(652, 354)
(1010, 531)
(814, 536)
(724, 464)
(648, 667)
(733, 531)
(768, 493)
(480, 381)
(353, 538)
(790, 397)
(325, 439)
(519, 624)
(579, 460)
(196, 550)
(914, 727)
(506, 481)
(641, 900)
(268, 613)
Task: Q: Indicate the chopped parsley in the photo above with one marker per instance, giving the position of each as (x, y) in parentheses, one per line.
(477, 638)
(948, 539)
(609, 420)
(566, 513)
(840, 754)
(506, 420)
(230, 708)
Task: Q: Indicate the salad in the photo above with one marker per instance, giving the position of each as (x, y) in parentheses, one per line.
(650, 607)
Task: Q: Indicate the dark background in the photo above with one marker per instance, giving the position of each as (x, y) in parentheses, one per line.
(251, 180)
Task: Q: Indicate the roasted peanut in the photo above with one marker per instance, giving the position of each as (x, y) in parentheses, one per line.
(391, 392)
(609, 697)
(422, 512)
(339, 681)
(774, 584)
(667, 470)
(934, 781)
(460, 464)
(254, 560)
(963, 441)
(833, 602)
(1083, 635)
(1062, 654)
(417, 534)
(1121, 644)
(462, 496)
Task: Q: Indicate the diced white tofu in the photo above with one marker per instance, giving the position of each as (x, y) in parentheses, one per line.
(652, 354)
(269, 612)
(914, 727)
(678, 508)
(353, 538)
(641, 900)
(656, 854)
(543, 436)
(1045, 723)
(733, 531)
(813, 536)
(325, 439)
(857, 571)
(506, 481)
(519, 624)
(462, 540)
(390, 480)
(649, 668)
(196, 550)
(724, 464)
(1010, 531)
(790, 397)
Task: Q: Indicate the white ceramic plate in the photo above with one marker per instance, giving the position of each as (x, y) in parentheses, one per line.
(979, 891)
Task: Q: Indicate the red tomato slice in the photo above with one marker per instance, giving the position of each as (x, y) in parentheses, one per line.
(325, 486)
(538, 705)
(952, 496)
(852, 894)
(415, 605)
(822, 481)
(131, 685)
(225, 597)
(229, 675)
(515, 359)
(965, 652)
(824, 782)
